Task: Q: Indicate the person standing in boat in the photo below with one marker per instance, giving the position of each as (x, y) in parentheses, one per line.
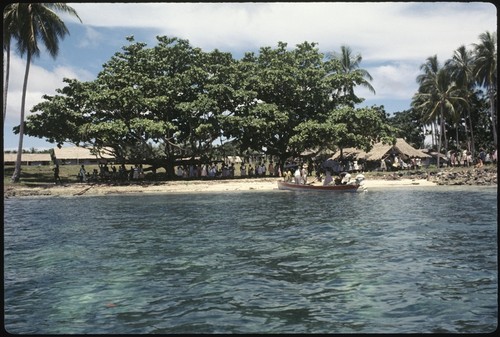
(297, 175)
(304, 174)
(328, 177)
(346, 177)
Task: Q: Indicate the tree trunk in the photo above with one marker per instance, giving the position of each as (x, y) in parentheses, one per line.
(443, 128)
(493, 117)
(440, 138)
(472, 146)
(17, 171)
(435, 133)
(6, 83)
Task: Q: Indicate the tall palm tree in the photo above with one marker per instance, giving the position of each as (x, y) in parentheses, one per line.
(439, 96)
(485, 54)
(461, 67)
(8, 32)
(426, 81)
(34, 21)
(350, 66)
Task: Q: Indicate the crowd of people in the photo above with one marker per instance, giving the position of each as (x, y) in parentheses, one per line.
(106, 173)
(464, 158)
(330, 171)
(213, 170)
(327, 175)
(395, 162)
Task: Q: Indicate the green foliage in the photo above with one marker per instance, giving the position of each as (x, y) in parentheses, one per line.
(172, 101)
(408, 125)
(345, 127)
(450, 97)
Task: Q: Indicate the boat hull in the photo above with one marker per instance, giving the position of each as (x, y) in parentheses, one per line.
(332, 188)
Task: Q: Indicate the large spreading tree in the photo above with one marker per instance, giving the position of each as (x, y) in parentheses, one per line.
(173, 101)
(149, 105)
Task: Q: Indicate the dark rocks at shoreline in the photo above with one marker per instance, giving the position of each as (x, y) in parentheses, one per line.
(478, 176)
(484, 176)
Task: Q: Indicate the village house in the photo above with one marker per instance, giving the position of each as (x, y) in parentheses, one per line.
(380, 151)
(81, 156)
(27, 159)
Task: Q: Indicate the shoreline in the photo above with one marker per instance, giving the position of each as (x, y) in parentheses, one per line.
(190, 186)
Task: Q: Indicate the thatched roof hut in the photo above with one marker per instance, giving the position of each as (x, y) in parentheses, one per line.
(380, 150)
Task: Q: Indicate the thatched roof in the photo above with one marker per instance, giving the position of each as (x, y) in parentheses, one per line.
(350, 153)
(316, 152)
(80, 153)
(381, 150)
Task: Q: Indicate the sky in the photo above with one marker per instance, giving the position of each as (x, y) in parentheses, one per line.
(393, 38)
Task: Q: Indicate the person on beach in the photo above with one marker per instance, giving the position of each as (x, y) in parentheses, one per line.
(383, 165)
(204, 171)
(56, 174)
(270, 168)
(479, 162)
(482, 154)
(262, 170)
(82, 174)
(469, 158)
(464, 158)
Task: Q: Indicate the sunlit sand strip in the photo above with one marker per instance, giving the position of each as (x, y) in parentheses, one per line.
(195, 186)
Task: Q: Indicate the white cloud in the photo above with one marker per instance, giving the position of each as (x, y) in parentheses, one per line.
(40, 82)
(395, 80)
(393, 38)
(92, 38)
(381, 31)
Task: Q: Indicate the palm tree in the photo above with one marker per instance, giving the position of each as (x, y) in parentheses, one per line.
(461, 67)
(8, 32)
(34, 21)
(485, 54)
(426, 82)
(438, 96)
(350, 66)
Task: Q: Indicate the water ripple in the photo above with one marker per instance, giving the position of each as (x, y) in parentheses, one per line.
(255, 262)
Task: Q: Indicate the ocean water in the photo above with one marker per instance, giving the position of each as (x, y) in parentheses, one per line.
(419, 260)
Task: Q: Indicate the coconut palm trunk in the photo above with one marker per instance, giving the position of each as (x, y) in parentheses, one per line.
(493, 116)
(17, 171)
(31, 22)
(472, 146)
(6, 81)
(441, 123)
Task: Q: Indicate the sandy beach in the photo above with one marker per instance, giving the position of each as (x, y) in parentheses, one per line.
(193, 186)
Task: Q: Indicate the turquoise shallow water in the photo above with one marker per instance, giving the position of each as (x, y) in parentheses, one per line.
(387, 261)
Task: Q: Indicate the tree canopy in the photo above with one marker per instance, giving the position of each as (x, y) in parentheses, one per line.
(461, 97)
(159, 104)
